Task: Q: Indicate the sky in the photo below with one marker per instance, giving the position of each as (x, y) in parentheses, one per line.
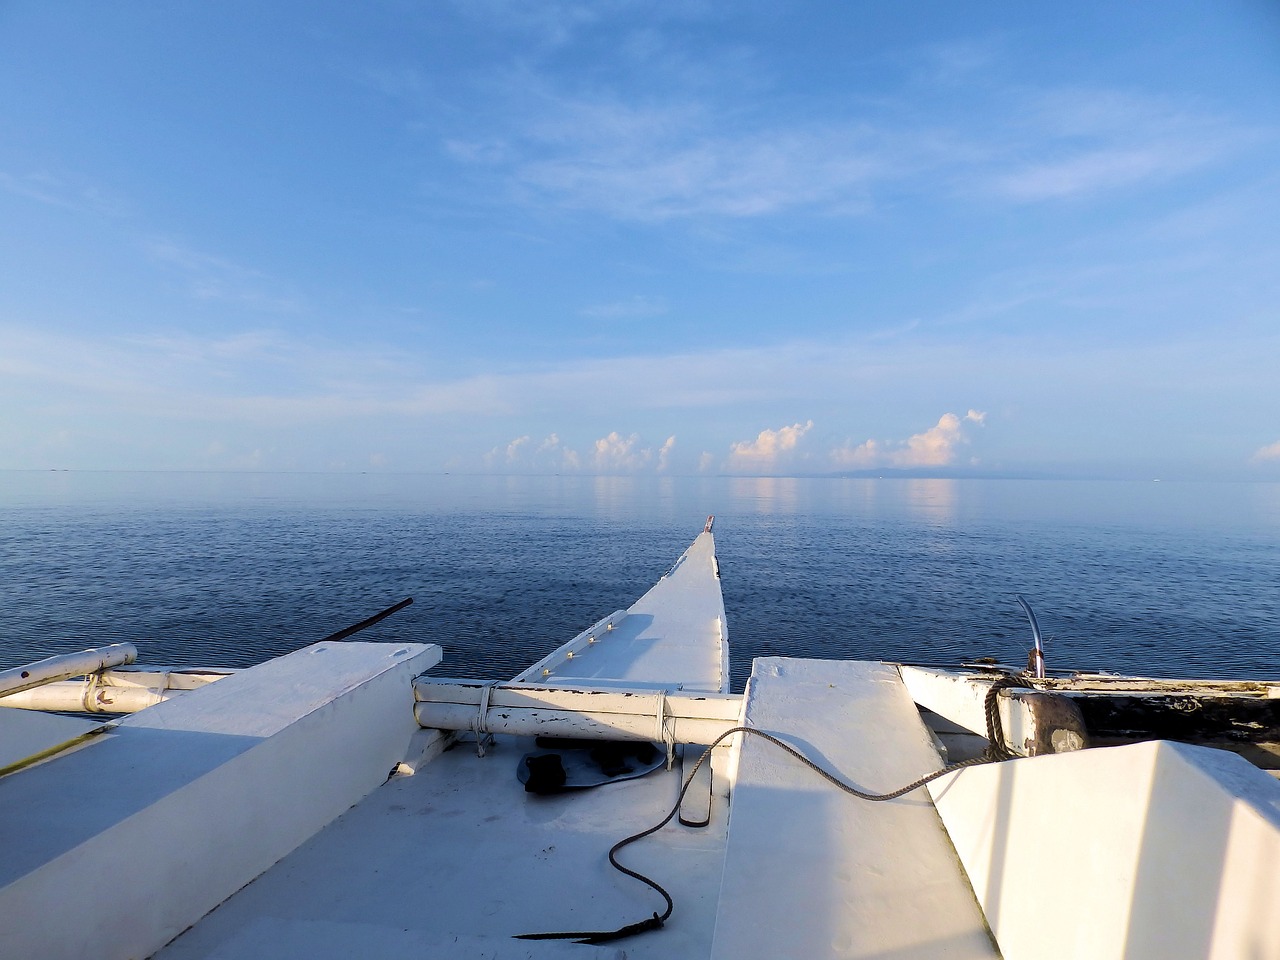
(936, 237)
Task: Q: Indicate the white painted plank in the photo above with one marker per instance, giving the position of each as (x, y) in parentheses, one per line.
(674, 636)
(861, 879)
(158, 821)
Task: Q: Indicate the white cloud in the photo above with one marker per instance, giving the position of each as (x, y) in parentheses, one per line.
(936, 447)
(514, 447)
(1269, 452)
(613, 453)
(269, 390)
(769, 449)
(664, 454)
(618, 454)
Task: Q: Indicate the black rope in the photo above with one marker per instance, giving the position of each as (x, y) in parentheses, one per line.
(996, 751)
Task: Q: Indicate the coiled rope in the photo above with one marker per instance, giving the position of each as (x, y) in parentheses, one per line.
(996, 751)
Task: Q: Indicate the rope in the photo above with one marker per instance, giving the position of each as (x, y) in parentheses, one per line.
(995, 752)
(480, 725)
(996, 749)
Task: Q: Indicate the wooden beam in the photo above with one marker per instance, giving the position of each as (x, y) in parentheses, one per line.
(607, 713)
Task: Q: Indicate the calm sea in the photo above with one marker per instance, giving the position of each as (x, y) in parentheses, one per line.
(1172, 579)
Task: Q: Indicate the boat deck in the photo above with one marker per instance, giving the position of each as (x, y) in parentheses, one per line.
(458, 859)
(145, 838)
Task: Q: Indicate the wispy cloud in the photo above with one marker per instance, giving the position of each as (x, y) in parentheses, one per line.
(212, 277)
(936, 447)
(686, 155)
(1076, 143)
(1089, 172)
(655, 164)
(266, 384)
(634, 307)
(57, 191)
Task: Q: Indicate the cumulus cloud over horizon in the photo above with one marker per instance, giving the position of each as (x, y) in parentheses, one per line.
(773, 450)
(768, 450)
(936, 447)
(612, 453)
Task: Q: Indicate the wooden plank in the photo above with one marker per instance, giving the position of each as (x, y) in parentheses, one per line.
(608, 713)
(609, 699)
(145, 829)
(863, 879)
(674, 636)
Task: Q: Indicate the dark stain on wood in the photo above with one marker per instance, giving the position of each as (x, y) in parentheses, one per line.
(1249, 726)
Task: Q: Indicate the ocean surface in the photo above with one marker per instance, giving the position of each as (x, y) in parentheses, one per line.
(1161, 579)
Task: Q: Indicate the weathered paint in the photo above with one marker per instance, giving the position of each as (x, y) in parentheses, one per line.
(1033, 722)
(607, 713)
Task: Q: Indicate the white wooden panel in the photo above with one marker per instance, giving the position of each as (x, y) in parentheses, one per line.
(1152, 851)
(813, 872)
(114, 849)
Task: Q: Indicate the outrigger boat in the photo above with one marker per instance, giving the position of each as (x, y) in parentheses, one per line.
(615, 800)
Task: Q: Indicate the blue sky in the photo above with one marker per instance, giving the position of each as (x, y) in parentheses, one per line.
(996, 238)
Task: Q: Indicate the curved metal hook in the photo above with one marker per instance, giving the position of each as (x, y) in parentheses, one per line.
(1036, 660)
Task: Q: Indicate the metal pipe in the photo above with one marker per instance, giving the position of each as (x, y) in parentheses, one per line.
(66, 665)
(1036, 661)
